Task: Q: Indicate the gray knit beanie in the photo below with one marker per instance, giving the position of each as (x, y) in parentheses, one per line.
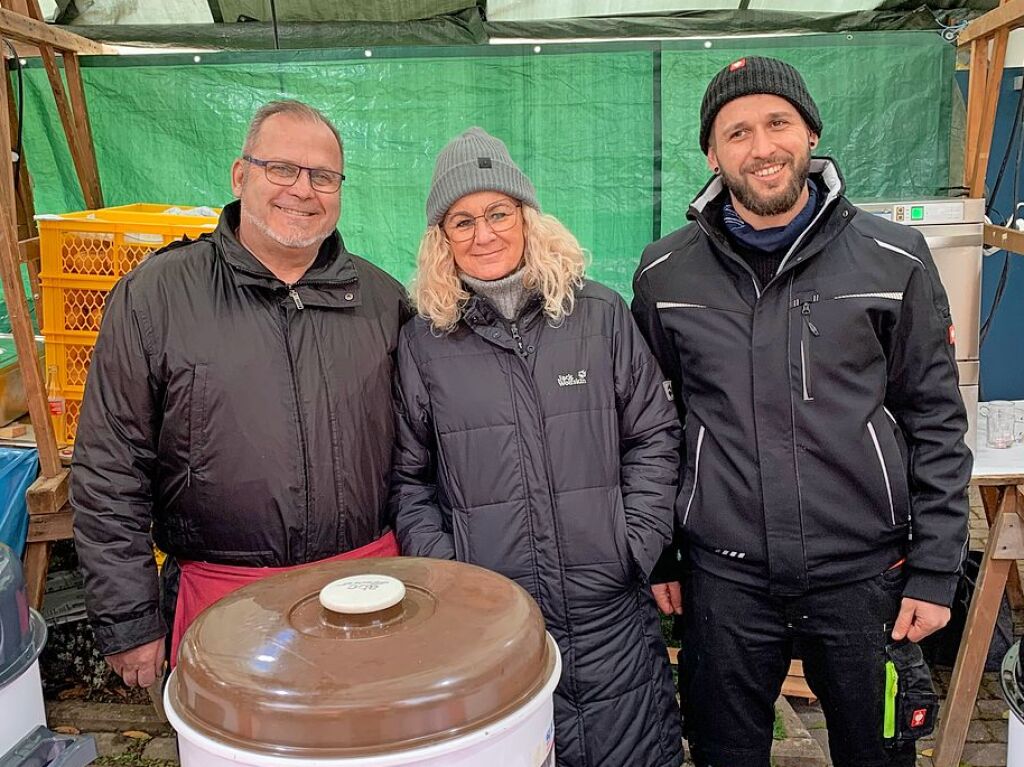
(475, 162)
(751, 75)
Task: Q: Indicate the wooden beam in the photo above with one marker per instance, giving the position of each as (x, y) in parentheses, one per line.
(28, 250)
(981, 620)
(23, 183)
(975, 100)
(80, 110)
(37, 562)
(19, 27)
(1013, 241)
(79, 151)
(51, 527)
(24, 335)
(992, 499)
(48, 495)
(1008, 16)
(988, 115)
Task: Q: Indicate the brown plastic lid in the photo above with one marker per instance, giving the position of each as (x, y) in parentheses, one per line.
(271, 669)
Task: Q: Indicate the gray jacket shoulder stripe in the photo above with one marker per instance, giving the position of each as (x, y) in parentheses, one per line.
(654, 263)
(894, 249)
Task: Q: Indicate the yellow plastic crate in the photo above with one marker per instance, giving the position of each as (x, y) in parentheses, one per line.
(82, 256)
(65, 426)
(70, 354)
(110, 242)
(74, 304)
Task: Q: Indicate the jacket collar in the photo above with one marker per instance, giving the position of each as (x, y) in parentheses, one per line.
(332, 281)
(835, 212)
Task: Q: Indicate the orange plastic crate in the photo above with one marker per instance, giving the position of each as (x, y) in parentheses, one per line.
(65, 426)
(83, 255)
(70, 354)
(110, 242)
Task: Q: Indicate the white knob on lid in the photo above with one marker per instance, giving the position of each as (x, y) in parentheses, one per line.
(361, 594)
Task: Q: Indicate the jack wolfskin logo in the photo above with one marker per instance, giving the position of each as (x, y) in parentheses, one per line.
(568, 379)
(667, 386)
(919, 717)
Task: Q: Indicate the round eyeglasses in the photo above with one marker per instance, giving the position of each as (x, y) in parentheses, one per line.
(287, 173)
(500, 217)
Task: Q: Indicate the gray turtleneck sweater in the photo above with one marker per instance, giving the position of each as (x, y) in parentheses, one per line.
(507, 293)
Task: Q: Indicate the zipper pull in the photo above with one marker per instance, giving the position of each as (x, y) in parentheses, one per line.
(294, 295)
(518, 338)
(805, 310)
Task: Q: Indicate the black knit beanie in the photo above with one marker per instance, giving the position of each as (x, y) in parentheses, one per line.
(756, 74)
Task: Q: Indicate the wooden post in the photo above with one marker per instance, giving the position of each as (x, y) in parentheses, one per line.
(992, 499)
(1005, 544)
(975, 103)
(988, 116)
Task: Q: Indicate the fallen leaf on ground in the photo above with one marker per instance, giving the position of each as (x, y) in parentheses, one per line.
(67, 730)
(137, 735)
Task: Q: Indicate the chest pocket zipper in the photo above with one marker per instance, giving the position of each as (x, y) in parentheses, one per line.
(808, 330)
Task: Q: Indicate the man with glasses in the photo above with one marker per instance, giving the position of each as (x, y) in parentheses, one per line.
(239, 401)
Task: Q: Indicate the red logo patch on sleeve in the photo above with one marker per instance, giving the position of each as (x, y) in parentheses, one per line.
(918, 718)
(951, 335)
(737, 65)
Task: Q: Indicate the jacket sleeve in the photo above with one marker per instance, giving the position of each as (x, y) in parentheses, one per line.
(111, 476)
(669, 566)
(923, 396)
(414, 509)
(649, 443)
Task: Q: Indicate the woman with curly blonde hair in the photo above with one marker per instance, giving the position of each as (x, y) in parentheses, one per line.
(535, 437)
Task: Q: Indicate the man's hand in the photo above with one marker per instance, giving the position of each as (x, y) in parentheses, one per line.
(139, 666)
(918, 619)
(669, 597)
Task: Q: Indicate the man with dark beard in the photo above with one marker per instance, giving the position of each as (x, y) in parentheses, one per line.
(811, 350)
(238, 408)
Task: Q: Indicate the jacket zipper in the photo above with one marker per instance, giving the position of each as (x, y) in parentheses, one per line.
(696, 473)
(885, 472)
(294, 295)
(547, 472)
(514, 328)
(303, 446)
(809, 329)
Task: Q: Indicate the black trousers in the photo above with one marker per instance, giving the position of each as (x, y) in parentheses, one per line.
(738, 642)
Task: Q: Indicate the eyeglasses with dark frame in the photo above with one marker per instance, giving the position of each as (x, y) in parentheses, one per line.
(287, 173)
(499, 216)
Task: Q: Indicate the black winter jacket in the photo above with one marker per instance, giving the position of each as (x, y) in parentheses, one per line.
(550, 455)
(248, 422)
(823, 425)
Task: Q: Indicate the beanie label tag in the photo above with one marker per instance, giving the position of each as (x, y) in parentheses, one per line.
(739, 64)
(483, 162)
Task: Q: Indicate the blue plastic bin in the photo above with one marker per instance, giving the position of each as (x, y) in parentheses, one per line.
(18, 469)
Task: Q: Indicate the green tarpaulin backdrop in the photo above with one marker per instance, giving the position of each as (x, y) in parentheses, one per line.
(608, 134)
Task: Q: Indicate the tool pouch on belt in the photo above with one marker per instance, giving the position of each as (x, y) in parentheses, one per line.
(910, 700)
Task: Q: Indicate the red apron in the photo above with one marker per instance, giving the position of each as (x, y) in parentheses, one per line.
(203, 583)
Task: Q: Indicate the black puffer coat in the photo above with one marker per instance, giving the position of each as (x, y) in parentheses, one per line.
(248, 422)
(551, 455)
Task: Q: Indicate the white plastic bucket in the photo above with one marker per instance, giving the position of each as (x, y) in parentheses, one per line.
(21, 701)
(524, 738)
(1015, 742)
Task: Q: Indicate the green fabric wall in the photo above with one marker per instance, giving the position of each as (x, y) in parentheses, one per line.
(607, 133)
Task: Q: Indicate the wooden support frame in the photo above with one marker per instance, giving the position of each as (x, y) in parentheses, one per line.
(38, 32)
(1005, 545)
(50, 515)
(987, 37)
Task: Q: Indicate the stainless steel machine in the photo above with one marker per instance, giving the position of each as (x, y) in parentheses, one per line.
(953, 230)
